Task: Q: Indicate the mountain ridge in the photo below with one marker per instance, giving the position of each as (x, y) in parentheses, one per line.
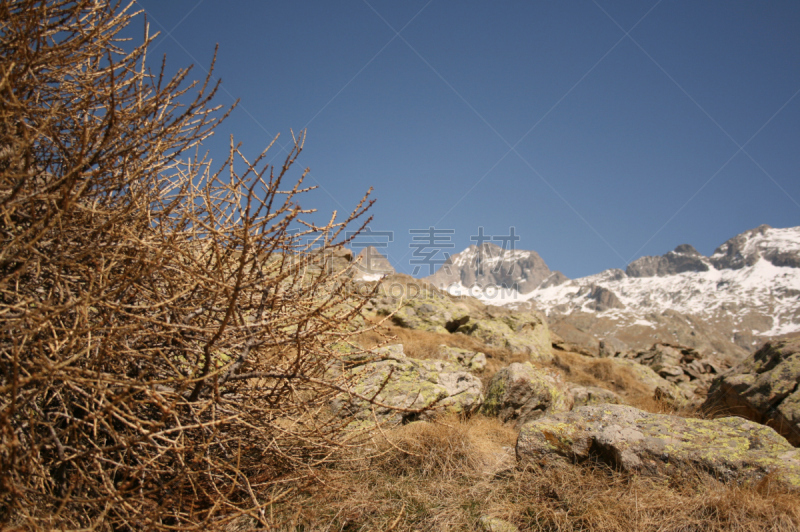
(746, 291)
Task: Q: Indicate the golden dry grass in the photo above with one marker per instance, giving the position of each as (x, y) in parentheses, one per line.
(603, 373)
(447, 475)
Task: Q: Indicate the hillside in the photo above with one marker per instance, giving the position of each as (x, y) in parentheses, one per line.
(539, 440)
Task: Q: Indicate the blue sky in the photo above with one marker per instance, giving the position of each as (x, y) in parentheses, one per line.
(600, 130)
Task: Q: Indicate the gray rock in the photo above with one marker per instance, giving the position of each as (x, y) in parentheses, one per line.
(671, 372)
(519, 332)
(470, 360)
(655, 383)
(602, 298)
(407, 383)
(592, 395)
(659, 356)
(522, 393)
(733, 449)
(764, 388)
(495, 524)
(681, 365)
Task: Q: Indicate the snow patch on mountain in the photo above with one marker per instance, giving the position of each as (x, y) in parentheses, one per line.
(756, 273)
(762, 287)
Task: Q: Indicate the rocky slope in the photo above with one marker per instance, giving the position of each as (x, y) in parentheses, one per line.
(764, 388)
(745, 292)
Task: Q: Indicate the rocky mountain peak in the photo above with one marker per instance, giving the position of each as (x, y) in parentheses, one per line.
(686, 249)
(554, 279)
(781, 247)
(491, 265)
(684, 258)
(727, 303)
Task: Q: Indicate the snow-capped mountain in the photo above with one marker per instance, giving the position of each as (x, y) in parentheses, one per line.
(491, 265)
(746, 291)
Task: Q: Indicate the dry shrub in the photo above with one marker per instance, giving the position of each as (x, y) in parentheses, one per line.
(166, 333)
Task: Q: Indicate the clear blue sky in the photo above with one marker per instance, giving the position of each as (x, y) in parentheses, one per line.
(600, 130)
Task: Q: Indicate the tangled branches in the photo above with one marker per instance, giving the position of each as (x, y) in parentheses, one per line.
(166, 331)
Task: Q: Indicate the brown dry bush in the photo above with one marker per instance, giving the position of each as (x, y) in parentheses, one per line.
(165, 332)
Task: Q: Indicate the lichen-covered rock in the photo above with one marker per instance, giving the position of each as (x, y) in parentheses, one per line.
(523, 393)
(764, 388)
(732, 448)
(433, 313)
(408, 383)
(593, 395)
(519, 332)
(470, 360)
(415, 305)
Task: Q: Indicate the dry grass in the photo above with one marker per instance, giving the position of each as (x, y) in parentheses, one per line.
(446, 476)
(603, 373)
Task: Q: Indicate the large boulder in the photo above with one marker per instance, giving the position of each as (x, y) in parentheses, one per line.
(470, 360)
(519, 332)
(395, 380)
(436, 313)
(523, 393)
(593, 395)
(732, 448)
(764, 388)
(419, 306)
